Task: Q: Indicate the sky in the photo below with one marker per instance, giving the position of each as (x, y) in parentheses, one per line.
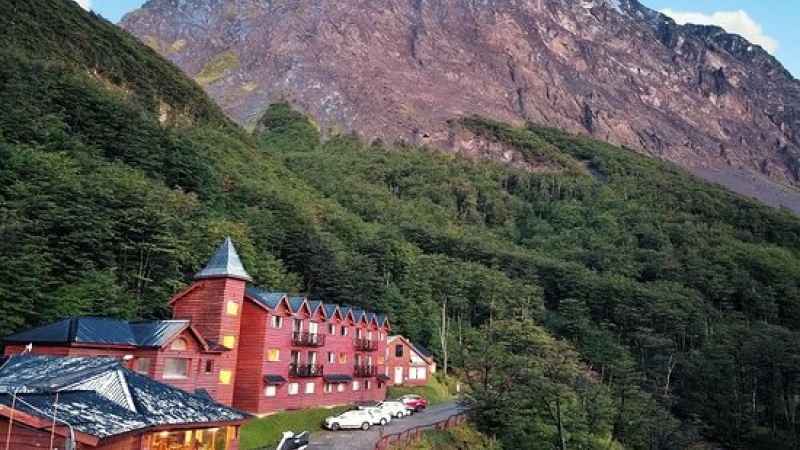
(772, 24)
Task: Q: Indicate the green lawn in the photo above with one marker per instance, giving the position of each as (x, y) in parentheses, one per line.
(435, 392)
(267, 431)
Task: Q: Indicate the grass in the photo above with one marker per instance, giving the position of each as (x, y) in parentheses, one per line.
(462, 437)
(268, 430)
(218, 67)
(436, 391)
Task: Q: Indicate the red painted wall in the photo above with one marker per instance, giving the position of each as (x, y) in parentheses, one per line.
(404, 364)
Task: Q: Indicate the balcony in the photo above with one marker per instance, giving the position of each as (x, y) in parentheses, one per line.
(306, 339)
(365, 371)
(365, 345)
(305, 370)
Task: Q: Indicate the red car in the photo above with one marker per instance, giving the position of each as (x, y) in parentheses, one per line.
(414, 402)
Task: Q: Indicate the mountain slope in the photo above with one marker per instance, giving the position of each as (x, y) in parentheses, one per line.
(595, 298)
(399, 69)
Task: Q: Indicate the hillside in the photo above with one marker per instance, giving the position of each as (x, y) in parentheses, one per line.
(594, 298)
(400, 70)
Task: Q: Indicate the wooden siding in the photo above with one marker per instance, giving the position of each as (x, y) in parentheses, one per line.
(405, 364)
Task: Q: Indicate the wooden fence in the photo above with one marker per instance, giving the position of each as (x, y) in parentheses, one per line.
(409, 437)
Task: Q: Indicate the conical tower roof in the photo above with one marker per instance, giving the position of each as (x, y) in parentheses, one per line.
(224, 264)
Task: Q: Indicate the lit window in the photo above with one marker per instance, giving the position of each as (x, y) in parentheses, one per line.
(273, 355)
(381, 360)
(294, 388)
(178, 344)
(270, 391)
(232, 308)
(143, 365)
(277, 321)
(355, 385)
(309, 388)
(331, 357)
(398, 350)
(340, 387)
(225, 376)
(176, 367)
(342, 358)
(229, 341)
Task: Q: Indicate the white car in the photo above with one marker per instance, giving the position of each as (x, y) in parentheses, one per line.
(356, 418)
(381, 416)
(395, 409)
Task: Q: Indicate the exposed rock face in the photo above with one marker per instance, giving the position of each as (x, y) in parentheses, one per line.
(398, 69)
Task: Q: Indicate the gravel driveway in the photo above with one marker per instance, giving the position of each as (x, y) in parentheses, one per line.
(365, 440)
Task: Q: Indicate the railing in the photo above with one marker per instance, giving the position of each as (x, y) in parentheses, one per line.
(366, 345)
(305, 370)
(308, 339)
(365, 371)
(405, 439)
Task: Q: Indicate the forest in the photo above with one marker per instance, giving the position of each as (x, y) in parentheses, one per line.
(600, 300)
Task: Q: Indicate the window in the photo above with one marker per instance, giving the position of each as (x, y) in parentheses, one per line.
(331, 329)
(355, 385)
(358, 333)
(225, 376)
(294, 388)
(176, 367)
(331, 357)
(367, 384)
(344, 330)
(327, 388)
(178, 344)
(398, 350)
(277, 321)
(142, 365)
(232, 308)
(297, 325)
(312, 358)
(340, 387)
(273, 355)
(380, 336)
(270, 391)
(381, 360)
(417, 373)
(313, 327)
(309, 388)
(209, 365)
(369, 335)
(342, 358)
(295, 356)
(229, 341)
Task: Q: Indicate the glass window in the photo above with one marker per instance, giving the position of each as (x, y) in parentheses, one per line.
(277, 321)
(143, 365)
(178, 344)
(342, 358)
(209, 365)
(294, 388)
(273, 355)
(331, 329)
(176, 367)
(398, 350)
(232, 308)
(328, 388)
(270, 391)
(225, 376)
(367, 384)
(297, 325)
(340, 387)
(229, 341)
(344, 330)
(309, 388)
(331, 357)
(355, 385)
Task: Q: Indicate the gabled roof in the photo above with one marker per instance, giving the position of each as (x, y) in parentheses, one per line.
(102, 331)
(101, 398)
(269, 299)
(422, 350)
(346, 311)
(359, 315)
(383, 320)
(224, 264)
(296, 303)
(372, 318)
(314, 305)
(331, 310)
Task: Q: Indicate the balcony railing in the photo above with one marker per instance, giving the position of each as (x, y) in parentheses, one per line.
(308, 339)
(366, 345)
(365, 371)
(305, 370)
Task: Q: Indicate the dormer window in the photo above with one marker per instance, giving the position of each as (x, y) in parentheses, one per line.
(178, 344)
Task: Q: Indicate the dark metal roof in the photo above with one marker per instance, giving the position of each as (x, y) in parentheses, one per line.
(383, 378)
(337, 378)
(102, 331)
(313, 305)
(224, 264)
(345, 310)
(274, 379)
(382, 319)
(330, 310)
(359, 314)
(157, 333)
(99, 397)
(422, 350)
(268, 299)
(296, 303)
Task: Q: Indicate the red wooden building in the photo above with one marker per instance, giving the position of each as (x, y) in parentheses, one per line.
(256, 350)
(409, 364)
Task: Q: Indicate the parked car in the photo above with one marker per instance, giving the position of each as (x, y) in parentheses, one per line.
(292, 441)
(356, 418)
(396, 409)
(414, 402)
(380, 416)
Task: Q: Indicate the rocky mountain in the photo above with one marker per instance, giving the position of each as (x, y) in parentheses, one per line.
(401, 69)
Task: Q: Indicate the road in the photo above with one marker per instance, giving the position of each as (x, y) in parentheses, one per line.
(365, 440)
